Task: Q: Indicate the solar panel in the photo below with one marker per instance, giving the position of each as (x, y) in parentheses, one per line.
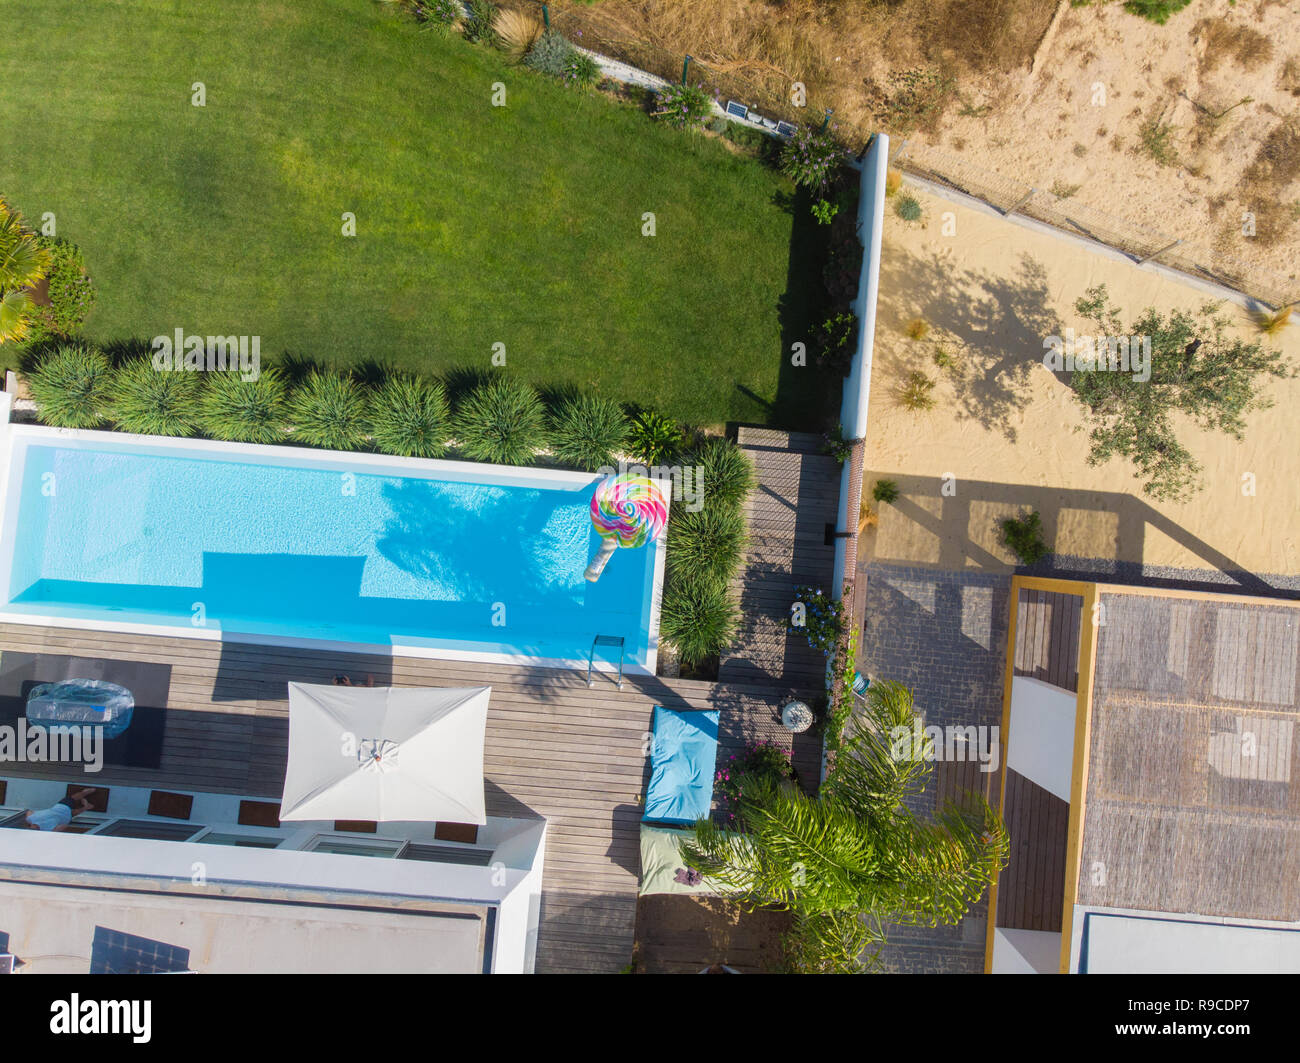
(113, 952)
(737, 110)
(785, 128)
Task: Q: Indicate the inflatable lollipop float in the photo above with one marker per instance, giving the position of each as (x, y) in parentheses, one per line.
(628, 511)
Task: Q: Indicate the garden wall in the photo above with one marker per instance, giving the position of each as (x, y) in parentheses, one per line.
(857, 385)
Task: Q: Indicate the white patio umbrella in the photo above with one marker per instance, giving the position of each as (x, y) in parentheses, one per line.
(385, 753)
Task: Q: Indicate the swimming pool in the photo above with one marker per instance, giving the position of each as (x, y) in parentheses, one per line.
(218, 540)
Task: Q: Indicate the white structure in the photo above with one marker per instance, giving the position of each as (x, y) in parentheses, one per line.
(385, 753)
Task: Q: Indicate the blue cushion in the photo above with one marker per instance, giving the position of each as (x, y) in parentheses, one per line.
(683, 756)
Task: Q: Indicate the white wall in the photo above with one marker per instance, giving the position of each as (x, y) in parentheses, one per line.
(1026, 952)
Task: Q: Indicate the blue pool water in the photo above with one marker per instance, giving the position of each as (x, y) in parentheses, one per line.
(319, 553)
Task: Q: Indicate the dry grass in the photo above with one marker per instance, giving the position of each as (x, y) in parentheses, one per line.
(517, 31)
(917, 329)
(1242, 44)
(893, 182)
(1288, 78)
(1272, 324)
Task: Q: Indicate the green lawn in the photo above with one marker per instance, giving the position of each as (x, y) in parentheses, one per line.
(476, 224)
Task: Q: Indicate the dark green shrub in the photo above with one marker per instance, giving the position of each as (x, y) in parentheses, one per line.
(1024, 537)
(71, 293)
(707, 544)
(588, 432)
(244, 411)
(907, 208)
(409, 416)
(835, 342)
(699, 618)
(478, 24)
(684, 106)
(72, 387)
(885, 492)
(727, 475)
(1157, 11)
(154, 402)
(550, 55)
(654, 438)
(811, 158)
(329, 411)
(502, 421)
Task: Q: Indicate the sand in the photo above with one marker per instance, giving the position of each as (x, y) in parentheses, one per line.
(1006, 435)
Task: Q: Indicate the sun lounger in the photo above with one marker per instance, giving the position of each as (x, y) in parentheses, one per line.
(683, 756)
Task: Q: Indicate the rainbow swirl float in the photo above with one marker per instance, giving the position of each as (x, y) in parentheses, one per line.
(629, 511)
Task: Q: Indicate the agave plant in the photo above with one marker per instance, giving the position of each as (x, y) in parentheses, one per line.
(854, 859)
(409, 417)
(154, 402)
(244, 411)
(71, 387)
(329, 411)
(588, 432)
(502, 421)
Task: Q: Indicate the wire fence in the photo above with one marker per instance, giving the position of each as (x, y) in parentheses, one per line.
(1136, 241)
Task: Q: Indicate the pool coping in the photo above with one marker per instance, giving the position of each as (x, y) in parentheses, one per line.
(13, 436)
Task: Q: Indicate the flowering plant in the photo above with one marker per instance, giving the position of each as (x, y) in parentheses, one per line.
(810, 158)
(759, 758)
(685, 106)
(817, 617)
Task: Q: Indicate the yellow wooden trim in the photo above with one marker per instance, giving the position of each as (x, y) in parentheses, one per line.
(1047, 583)
(1079, 775)
(1008, 673)
(1199, 596)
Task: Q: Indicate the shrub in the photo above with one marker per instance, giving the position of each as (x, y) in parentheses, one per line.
(762, 759)
(442, 13)
(885, 492)
(515, 32)
(1024, 537)
(835, 342)
(817, 617)
(726, 474)
(153, 402)
(943, 359)
(811, 157)
(71, 293)
(244, 411)
(824, 212)
(916, 392)
(502, 421)
(654, 438)
(550, 55)
(917, 329)
(684, 106)
(907, 208)
(480, 22)
(409, 416)
(834, 444)
(916, 98)
(588, 432)
(893, 182)
(581, 70)
(699, 618)
(707, 544)
(1154, 140)
(71, 387)
(329, 411)
(1157, 11)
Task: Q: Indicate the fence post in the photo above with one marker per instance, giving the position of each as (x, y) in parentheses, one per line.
(546, 17)
(1020, 202)
(902, 147)
(1155, 254)
(686, 65)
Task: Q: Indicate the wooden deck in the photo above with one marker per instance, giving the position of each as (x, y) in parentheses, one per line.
(554, 749)
(797, 497)
(1047, 637)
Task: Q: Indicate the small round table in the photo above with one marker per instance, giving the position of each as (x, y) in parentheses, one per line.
(797, 717)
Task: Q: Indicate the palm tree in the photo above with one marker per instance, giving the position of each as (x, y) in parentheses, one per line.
(854, 859)
(23, 262)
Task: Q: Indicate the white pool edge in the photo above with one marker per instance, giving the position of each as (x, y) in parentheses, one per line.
(16, 435)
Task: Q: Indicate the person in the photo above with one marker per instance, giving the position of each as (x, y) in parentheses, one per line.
(59, 814)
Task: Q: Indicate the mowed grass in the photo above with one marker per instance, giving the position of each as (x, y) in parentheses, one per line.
(476, 225)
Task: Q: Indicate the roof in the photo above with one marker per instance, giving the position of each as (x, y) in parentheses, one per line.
(1193, 796)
